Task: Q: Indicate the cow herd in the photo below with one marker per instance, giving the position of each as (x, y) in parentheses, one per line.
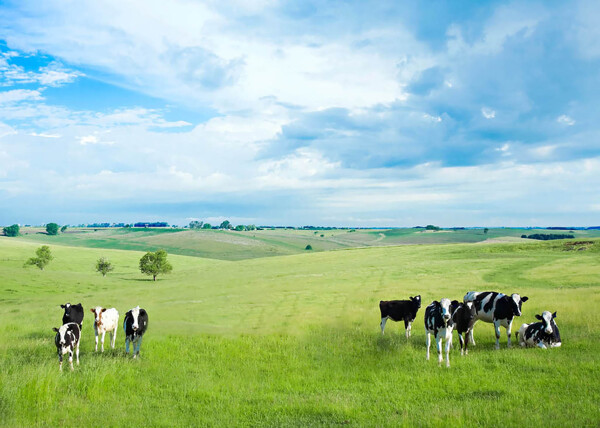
(68, 335)
(444, 316)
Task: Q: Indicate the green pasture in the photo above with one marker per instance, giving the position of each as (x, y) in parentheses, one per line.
(234, 245)
(295, 341)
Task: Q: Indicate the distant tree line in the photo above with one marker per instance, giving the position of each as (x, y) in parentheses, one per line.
(548, 236)
(226, 225)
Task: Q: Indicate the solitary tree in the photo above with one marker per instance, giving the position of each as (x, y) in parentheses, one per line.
(225, 225)
(308, 247)
(155, 264)
(486, 230)
(12, 230)
(52, 229)
(62, 229)
(104, 266)
(43, 258)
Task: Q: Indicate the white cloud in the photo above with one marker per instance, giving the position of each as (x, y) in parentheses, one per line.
(44, 135)
(18, 95)
(488, 113)
(92, 139)
(432, 118)
(565, 120)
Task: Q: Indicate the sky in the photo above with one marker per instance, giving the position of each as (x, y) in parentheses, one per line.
(341, 113)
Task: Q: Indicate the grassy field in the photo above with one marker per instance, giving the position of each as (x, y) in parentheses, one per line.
(295, 340)
(232, 245)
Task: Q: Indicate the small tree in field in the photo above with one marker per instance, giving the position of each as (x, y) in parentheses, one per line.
(155, 264)
(62, 229)
(12, 230)
(43, 258)
(104, 266)
(486, 230)
(52, 229)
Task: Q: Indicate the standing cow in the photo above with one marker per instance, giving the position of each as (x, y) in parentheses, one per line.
(73, 313)
(105, 320)
(464, 319)
(397, 310)
(496, 308)
(543, 334)
(438, 321)
(67, 340)
(135, 325)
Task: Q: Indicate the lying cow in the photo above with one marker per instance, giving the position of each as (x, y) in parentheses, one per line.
(73, 313)
(135, 325)
(438, 321)
(496, 308)
(67, 340)
(544, 334)
(105, 320)
(397, 310)
(464, 319)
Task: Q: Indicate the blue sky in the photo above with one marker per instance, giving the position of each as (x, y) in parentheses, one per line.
(293, 113)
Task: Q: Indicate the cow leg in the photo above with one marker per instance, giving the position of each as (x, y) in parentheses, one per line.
(71, 358)
(136, 349)
(497, 328)
(438, 343)
(127, 345)
(382, 324)
(542, 345)
(103, 334)
(462, 342)
(60, 358)
(407, 328)
(428, 343)
(448, 345)
(508, 332)
(96, 334)
(113, 336)
(77, 353)
(467, 342)
(471, 338)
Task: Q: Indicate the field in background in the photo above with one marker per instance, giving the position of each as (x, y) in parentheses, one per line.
(230, 245)
(295, 340)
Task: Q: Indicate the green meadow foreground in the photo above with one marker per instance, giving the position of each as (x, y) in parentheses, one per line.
(295, 340)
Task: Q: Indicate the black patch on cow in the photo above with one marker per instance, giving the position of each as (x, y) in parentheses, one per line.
(73, 313)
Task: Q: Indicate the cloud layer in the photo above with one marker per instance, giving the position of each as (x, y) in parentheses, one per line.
(365, 114)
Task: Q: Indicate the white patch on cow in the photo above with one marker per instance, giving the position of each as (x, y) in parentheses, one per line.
(383, 321)
(517, 300)
(445, 304)
(547, 316)
(135, 313)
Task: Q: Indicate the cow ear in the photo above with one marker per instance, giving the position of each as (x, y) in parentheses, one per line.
(554, 315)
(103, 309)
(55, 329)
(92, 310)
(62, 306)
(524, 299)
(539, 317)
(142, 312)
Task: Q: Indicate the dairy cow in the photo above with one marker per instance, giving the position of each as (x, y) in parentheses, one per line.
(73, 313)
(496, 308)
(438, 321)
(464, 319)
(135, 325)
(400, 310)
(67, 341)
(543, 334)
(105, 320)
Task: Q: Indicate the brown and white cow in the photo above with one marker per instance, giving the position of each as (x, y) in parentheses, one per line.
(105, 320)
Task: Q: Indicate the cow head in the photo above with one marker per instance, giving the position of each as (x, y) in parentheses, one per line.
(67, 308)
(546, 319)
(445, 310)
(62, 337)
(517, 301)
(416, 301)
(135, 315)
(98, 310)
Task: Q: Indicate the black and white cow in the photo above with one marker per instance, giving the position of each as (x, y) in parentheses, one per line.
(396, 310)
(73, 313)
(135, 325)
(464, 319)
(67, 340)
(496, 308)
(438, 321)
(544, 334)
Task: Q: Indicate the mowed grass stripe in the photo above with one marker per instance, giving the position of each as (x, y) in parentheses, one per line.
(295, 341)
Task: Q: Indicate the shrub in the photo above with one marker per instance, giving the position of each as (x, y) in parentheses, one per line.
(308, 247)
(12, 230)
(104, 266)
(43, 258)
